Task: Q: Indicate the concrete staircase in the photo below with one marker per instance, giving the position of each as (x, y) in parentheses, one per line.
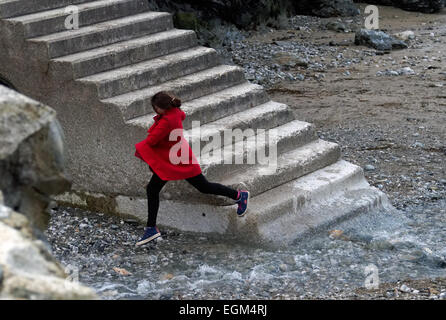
(100, 79)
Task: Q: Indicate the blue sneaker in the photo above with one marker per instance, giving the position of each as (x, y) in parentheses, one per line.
(242, 202)
(150, 234)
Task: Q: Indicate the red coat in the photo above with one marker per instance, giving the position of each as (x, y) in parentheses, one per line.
(170, 160)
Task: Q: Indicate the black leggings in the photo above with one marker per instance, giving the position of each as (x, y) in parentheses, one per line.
(199, 182)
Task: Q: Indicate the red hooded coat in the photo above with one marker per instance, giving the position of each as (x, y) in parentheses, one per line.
(168, 155)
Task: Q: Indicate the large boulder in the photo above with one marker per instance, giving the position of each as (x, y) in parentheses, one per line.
(31, 156)
(378, 40)
(425, 6)
(31, 170)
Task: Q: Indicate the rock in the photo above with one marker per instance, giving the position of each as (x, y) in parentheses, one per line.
(336, 26)
(405, 288)
(283, 267)
(167, 276)
(378, 40)
(31, 169)
(336, 234)
(121, 271)
(369, 167)
(418, 145)
(290, 60)
(83, 226)
(406, 71)
(405, 35)
(31, 156)
(30, 272)
(433, 291)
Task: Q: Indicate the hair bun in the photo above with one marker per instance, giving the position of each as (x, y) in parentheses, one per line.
(176, 102)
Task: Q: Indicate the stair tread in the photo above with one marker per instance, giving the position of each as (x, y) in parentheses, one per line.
(144, 93)
(60, 12)
(122, 46)
(221, 95)
(99, 27)
(234, 120)
(140, 67)
(38, 6)
(323, 177)
(283, 131)
(191, 106)
(292, 159)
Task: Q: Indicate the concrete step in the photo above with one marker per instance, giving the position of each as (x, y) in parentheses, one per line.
(214, 106)
(244, 154)
(137, 103)
(238, 126)
(51, 21)
(152, 72)
(101, 34)
(310, 204)
(299, 152)
(14, 8)
(286, 196)
(290, 165)
(123, 53)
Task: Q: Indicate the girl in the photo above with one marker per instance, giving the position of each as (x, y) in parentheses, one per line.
(155, 151)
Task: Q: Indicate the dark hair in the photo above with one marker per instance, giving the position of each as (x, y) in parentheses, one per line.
(165, 100)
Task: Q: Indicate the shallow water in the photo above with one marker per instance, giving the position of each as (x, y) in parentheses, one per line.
(406, 244)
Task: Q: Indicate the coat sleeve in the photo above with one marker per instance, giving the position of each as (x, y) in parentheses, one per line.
(159, 132)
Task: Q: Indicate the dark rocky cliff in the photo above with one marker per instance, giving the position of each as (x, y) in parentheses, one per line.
(426, 6)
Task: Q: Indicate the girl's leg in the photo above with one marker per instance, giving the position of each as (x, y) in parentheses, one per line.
(153, 200)
(204, 186)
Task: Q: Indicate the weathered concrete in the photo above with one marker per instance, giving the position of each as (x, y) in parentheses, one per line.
(100, 79)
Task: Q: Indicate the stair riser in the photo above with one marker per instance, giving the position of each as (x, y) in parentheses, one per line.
(187, 92)
(269, 120)
(107, 36)
(218, 171)
(153, 77)
(88, 17)
(225, 108)
(124, 57)
(18, 8)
